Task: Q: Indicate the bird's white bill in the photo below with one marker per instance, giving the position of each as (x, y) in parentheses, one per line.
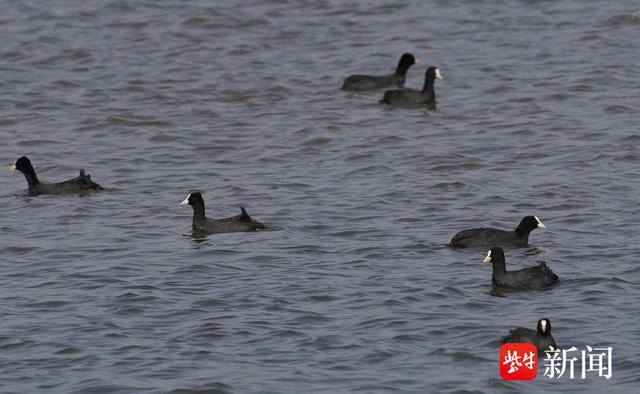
(417, 61)
(540, 223)
(12, 167)
(438, 74)
(488, 258)
(543, 323)
(185, 202)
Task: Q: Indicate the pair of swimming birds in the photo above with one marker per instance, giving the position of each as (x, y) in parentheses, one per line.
(82, 184)
(534, 278)
(400, 97)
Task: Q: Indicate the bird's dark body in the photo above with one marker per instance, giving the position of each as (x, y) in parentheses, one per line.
(78, 185)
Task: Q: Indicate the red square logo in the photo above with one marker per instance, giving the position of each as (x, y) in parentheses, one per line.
(518, 361)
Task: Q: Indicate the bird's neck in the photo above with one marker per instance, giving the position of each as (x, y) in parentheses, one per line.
(198, 212)
(428, 89)
(402, 68)
(523, 231)
(32, 178)
(498, 268)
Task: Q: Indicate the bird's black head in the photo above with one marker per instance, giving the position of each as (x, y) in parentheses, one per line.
(494, 254)
(192, 199)
(408, 59)
(530, 223)
(433, 72)
(544, 327)
(23, 165)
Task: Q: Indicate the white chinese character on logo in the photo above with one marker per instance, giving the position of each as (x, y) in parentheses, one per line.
(553, 367)
(513, 360)
(596, 362)
(527, 360)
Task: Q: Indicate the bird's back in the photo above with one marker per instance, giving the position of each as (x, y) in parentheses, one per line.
(520, 334)
(527, 335)
(484, 237)
(238, 223)
(536, 277)
(370, 82)
(80, 184)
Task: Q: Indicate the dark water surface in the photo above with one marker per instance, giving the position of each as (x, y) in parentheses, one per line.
(356, 291)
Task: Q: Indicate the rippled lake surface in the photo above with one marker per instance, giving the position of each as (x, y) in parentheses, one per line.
(355, 290)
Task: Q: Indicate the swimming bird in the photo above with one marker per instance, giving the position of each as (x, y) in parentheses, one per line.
(541, 336)
(80, 184)
(491, 236)
(412, 98)
(238, 223)
(370, 82)
(534, 278)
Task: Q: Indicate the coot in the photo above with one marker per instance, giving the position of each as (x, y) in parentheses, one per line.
(491, 236)
(534, 278)
(238, 223)
(80, 184)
